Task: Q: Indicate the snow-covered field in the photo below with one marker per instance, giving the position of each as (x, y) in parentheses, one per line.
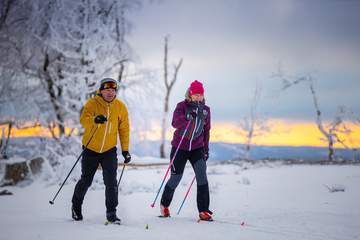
(279, 202)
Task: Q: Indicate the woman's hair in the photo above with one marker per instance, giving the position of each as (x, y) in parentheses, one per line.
(187, 95)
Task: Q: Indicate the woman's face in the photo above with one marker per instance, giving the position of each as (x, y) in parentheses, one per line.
(197, 97)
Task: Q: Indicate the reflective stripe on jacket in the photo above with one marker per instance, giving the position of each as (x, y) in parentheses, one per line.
(198, 133)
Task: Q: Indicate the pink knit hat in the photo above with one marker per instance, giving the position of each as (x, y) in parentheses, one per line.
(196, 87)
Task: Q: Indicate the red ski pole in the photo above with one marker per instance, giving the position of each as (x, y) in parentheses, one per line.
(171, 162)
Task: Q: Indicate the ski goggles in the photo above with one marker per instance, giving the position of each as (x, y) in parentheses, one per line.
(108, 85)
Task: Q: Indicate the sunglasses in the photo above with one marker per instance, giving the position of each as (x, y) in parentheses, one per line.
(109, 85)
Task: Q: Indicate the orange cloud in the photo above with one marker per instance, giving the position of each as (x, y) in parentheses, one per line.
(33, 131)
(282, 133)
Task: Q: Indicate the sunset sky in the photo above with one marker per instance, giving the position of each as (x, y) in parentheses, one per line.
(282, 133)
(230, 45)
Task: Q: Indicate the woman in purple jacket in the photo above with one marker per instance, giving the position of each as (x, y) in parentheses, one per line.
(194, 147)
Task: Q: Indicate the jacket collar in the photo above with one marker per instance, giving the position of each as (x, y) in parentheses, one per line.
(100, 100)
(194, 104)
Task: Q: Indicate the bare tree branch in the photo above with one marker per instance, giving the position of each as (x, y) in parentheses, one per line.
(168, 88)
(253, 125)
(331, 132)
(166, 62)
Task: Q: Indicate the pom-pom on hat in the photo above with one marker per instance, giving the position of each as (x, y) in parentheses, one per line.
(196, 87)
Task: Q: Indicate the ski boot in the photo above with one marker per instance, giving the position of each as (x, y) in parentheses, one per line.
(206, 216)
(76, 213)
(164, 211)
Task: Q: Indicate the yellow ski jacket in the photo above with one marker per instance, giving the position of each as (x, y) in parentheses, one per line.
(105, 136)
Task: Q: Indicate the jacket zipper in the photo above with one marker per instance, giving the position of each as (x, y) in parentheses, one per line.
(193, 133)
(198, 126)
(106, 127)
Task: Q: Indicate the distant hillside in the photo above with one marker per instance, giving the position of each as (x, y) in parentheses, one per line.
(226, 151)
(28, 147)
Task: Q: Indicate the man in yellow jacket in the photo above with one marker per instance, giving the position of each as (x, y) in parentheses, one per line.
(104, 118)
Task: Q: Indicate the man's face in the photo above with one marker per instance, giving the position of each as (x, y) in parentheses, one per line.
(108, 94)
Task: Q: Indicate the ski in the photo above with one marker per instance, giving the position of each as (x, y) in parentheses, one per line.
(202, 220)
(112, 223)
(242, 224)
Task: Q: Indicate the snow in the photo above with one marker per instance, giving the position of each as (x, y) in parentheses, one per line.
(274, 202)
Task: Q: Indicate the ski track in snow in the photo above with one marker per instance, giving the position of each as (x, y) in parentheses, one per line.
(282, 202)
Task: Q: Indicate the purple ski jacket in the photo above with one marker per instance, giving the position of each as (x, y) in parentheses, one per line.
(198, 133)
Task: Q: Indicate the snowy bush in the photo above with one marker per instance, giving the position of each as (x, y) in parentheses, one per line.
(215, 171)
(20, 171)
(335, 188)
(245, 181)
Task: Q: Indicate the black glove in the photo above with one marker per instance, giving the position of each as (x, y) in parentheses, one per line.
(206, 155)
(191, 115)
(100, 119)
(127, 156)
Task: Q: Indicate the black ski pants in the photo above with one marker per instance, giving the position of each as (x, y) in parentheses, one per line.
(89, 164)
(196, 158)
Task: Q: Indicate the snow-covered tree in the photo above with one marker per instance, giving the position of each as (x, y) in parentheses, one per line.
(140, 89)
(17, 88)
(54, 53)
(79, 50)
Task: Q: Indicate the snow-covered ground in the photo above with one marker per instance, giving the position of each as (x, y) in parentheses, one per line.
(279, 202)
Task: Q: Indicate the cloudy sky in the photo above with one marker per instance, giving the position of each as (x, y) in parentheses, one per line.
(232, 44)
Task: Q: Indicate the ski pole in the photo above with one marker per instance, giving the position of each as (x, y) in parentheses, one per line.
(187, 193)
(122, 171)
(52, 201)
(171, 162)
